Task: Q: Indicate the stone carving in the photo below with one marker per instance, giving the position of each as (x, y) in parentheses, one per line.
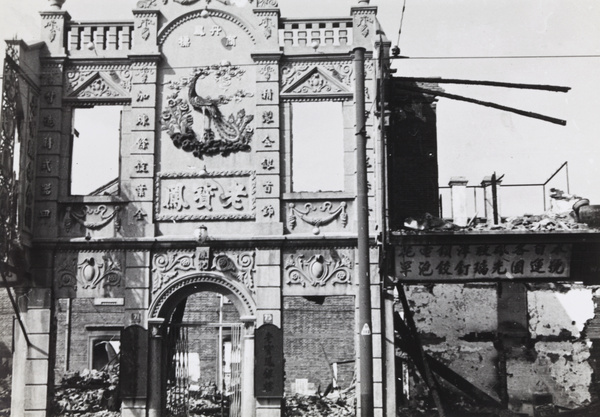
(266, 3)
(146, 4)
(50, 96)
(317, 271)
(91, 272)
(234, 131)
(238, 265)
(139, 215)
(327, 208)
(116, 76)
(201, 13)
(195, 282)
(145, 24)
(98, 88)
(326, 77)
(227, 195)
(268, 25)
(169, 266)
(51, 74)
(267, 71)
(316, 83)
(92, 218)
(363, 23)
(48, 121)
(268, 211)
(53, 28)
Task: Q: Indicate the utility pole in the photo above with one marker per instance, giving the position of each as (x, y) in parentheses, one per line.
(362, 209)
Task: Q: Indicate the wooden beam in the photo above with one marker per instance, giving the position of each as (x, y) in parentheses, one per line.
(553, 88)
(482, 103)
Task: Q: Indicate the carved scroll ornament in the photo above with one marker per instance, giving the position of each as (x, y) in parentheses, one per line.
(91, 272)
(317, 271)
(170, 266)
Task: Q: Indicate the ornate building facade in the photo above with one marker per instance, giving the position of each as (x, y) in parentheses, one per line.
(209, 177)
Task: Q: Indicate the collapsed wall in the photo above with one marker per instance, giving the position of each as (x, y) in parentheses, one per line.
(548, 360)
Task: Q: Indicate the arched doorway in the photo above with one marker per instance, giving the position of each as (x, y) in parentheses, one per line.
(202, 329)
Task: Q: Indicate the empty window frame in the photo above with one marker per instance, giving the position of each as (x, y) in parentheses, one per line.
(96, 136)
(105, 352)
(317, 146)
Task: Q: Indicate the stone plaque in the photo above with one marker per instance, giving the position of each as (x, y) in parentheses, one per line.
(268, 356)
(209, 196)
(134, 362)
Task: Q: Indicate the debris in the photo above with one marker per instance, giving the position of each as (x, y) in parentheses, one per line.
(336, 404)
(89, 393)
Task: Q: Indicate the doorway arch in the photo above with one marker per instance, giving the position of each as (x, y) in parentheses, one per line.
(160, 321)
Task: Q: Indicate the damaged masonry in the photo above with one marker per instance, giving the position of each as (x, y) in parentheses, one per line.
(260, 231)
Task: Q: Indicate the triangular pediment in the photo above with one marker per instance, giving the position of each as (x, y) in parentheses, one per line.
(99, 86)
(316, 81)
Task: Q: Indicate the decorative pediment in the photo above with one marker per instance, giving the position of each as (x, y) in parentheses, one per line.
(315, 81)
(99, 86)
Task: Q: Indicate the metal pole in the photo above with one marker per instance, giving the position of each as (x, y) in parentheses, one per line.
(494, 198)
(362, 209)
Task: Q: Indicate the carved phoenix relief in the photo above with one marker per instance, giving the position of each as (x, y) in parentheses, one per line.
(222, 134)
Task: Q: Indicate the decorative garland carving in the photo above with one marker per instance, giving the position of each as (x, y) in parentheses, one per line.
(234, 131)
(200, 14)
(317, 271)
(90, 273)
(326, 207)
(204, 278)
(80, 216)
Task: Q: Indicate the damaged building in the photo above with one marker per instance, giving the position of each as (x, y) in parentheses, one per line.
(181, 230)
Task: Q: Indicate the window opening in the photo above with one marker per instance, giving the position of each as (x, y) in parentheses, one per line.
(105, 353)
(95, 153)
(317, 146)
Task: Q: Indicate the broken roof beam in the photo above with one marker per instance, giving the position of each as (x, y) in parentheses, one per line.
(482, 103)
(553, 88)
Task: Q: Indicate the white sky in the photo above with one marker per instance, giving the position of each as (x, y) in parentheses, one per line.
(473, 141)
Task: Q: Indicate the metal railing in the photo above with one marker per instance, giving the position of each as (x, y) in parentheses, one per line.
(514, 199)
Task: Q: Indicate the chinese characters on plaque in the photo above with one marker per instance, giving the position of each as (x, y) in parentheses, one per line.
(482, 261)
(268, 352)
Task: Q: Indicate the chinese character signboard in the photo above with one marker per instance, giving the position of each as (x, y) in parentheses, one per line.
(482, 262)
(268, 368)
(211, 196)
(134, 362)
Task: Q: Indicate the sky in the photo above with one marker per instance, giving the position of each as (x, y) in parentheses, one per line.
(552, 42)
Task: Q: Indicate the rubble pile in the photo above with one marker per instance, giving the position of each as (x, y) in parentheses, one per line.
(207, 401)
(546, 222)
(88, 393)
(333, 405)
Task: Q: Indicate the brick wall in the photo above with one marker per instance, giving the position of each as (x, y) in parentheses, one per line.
(88, 322)
(316, 335)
